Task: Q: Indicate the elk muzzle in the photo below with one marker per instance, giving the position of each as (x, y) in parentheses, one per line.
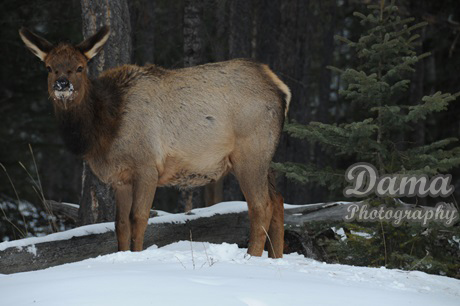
(61, 84)
(63, 88)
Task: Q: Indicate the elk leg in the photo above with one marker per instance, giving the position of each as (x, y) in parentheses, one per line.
(144, 192)
(254, 186)
(123, 199)
(259, 217)
(276, 231)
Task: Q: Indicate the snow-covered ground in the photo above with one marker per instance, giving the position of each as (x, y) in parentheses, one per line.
(197, 273)
(186, 273)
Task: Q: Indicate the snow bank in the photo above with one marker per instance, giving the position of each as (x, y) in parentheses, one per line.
(196, 273)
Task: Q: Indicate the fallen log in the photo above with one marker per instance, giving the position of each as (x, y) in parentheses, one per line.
(69, 211)
(66, 210)
(224, 222)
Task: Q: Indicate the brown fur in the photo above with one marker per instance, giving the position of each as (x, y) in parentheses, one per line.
(143, 127)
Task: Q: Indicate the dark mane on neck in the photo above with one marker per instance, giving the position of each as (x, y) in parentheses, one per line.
(88, 129)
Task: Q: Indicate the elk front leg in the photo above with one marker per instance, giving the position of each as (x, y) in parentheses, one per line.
(144, 191)
(123, 199)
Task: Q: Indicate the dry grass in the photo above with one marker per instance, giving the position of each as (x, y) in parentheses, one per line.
(38, 188)
(21, 233)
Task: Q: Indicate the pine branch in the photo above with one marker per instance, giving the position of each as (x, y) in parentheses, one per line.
(310, 173)
(435, 103)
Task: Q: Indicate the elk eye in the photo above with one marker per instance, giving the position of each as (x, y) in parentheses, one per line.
(48, 68)
(80, 69)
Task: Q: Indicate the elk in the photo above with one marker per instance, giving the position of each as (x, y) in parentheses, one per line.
(140, 128)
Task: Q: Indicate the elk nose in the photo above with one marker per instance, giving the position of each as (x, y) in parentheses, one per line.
(61, 84)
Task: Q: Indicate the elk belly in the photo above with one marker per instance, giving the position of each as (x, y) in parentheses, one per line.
(176, 174)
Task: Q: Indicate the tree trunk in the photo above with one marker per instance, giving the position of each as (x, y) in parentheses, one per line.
(213, 193)
(143, 29)
(97, 199)
(193, 38)
(220, 44)
(239, 46)
(328, 9)
(284, 31)
(416, 95)
(240, 29)
(97, 202)
(267, 25)
(193, 55)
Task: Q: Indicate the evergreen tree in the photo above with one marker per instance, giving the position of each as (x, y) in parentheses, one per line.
(377, 89)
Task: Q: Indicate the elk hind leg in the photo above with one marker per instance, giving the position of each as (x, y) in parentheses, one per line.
(254, 185)
(276, 231)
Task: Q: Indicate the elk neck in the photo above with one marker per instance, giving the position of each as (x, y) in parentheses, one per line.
(89, 127)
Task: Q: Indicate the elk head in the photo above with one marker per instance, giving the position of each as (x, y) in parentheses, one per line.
(66, 64)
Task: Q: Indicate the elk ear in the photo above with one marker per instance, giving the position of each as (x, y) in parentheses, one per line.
(36, 44)
(92, 45)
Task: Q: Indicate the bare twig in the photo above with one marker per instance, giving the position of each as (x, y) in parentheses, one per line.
(384, 242)
(180, 262)
(210, 260)
(420, 261)
(191, 248)
(270, 241)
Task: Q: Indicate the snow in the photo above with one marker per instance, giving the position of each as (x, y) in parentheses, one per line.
(32, 249)
(340, 232)
(186, 273)
(99, 228)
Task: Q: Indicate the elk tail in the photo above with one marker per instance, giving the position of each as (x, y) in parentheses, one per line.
(284, 90)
